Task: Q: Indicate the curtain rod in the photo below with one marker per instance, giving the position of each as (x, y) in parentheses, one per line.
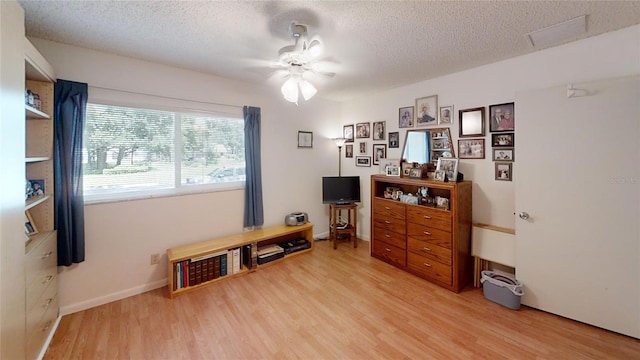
(164, 97)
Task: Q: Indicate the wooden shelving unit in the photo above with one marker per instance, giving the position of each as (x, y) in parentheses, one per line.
(41, 247)
(257, 238)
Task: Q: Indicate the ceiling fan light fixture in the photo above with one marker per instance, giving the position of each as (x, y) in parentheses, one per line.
(307, 89)
(290, 90)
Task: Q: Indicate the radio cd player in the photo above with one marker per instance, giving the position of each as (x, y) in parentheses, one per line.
(295, 219)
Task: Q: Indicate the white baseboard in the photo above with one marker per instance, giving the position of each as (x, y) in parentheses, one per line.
(73, 308)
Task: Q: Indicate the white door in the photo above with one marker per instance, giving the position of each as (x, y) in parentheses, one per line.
(577, 175)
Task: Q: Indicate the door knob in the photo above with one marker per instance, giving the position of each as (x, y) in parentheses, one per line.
(523, 215)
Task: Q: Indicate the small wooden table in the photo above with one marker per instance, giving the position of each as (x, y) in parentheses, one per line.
(352, 227)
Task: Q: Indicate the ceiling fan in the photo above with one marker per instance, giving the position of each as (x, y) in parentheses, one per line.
(299, 60)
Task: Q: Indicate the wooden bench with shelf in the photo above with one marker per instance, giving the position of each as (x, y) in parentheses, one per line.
(210, 249)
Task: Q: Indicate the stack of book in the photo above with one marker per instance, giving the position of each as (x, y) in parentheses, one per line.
(204, 268)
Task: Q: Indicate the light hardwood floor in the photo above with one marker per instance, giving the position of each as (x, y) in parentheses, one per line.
(325, 305)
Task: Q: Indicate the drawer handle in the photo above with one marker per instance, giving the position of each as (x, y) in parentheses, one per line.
(47, 279)
(387, 236)
(427, 217)
(387, 208)
(387, 222)
(427, 233)
(426, 249)
(427, 265)
(47, 326)
(46, 255)
(46, 304)
(388, 250)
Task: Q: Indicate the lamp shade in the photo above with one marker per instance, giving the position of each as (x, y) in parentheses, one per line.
(307, 89)
(290, 90)
(339, 141)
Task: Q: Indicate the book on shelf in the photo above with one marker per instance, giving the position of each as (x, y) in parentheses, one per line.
(236, 261)
(216, 266)
(205, 265)
(198, 276)
(223, 265)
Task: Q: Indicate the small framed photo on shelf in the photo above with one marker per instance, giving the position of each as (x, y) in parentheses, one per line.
(471, 122)
(442, 203)
(405, 117)
(393, 170)
(348, 151)
(29, 225)
(379, 152)
(503, 140)
(426, 109)
(305, 139)
(405, 167)
(347, 133)
(415, 173)
(363, 130)
(502, 117)
(503, 171)
(450, 167)
(379, 130)
(37, 187)
(439, 175)
(503, 154)
(363, 160)
(471, 148)
(446, 115)
(384, 163)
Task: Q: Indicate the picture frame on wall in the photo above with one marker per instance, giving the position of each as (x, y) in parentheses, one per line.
(426, 110)
(502, 117)
(503, 154)
(348, 151)
(362, 147)
(471, 149)
(363, 130)
(379, 152)
(405, 117)
(450, 167)
(445, 117)
(363, 160)
(305, 139)
(394, 140)
(471, 122)
(503, 171)
(347, 133)
(503, 140)
(379, 130)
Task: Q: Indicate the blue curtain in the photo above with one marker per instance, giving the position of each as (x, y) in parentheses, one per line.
(253, 212)
(70, 103)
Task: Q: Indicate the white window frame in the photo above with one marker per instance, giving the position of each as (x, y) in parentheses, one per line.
(178, 188)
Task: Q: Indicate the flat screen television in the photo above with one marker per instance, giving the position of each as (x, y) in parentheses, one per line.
(340, 189)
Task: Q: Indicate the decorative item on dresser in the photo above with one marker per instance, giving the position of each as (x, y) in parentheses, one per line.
(431, 239)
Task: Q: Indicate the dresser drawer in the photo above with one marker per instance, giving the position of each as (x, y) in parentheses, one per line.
(45, 280)
(429, 251)
(389, 224)
(40, 306)
(390, 237)
(429, 269)
(389, 253)
(41, 257)
(39, 333)
(429, 234)
(389, 209)
(434, 218)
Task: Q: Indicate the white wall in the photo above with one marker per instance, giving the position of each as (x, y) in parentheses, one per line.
(121, 236)
(610, 55)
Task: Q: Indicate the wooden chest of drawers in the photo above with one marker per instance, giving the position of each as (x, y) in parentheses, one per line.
(432, 243)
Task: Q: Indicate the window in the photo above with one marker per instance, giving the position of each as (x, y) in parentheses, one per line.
(131, 152)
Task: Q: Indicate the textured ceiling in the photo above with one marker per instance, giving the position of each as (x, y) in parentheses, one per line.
(371, 45)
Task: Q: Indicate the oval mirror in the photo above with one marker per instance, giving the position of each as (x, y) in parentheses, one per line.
(427, 145)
